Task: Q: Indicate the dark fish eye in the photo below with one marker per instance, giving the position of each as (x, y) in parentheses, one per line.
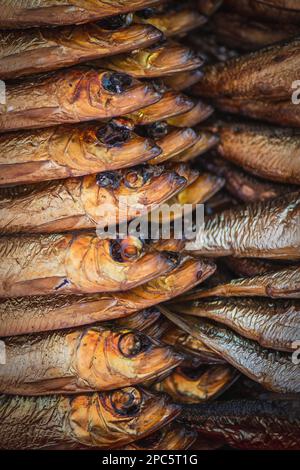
(134, 179)
(131, 344)
(126, 402)
(108, 179)
(126, 250)
(115, 82)
(157, 130)
(113, 135)
(115, 22)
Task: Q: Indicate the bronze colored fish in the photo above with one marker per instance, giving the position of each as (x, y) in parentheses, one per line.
(206, 141)
(270, 229)
(210, 48)
(34, 51)
(274, 370)
(64, 151)
(283, 283)
(72, 95)
(182, 80)
(103, 420)
(171, 143)
(142, 321)
(249, 267)
(273, 325)
(155, 61)
(27, 13)
(84, 360)
(76, 263)
(248, 424)
(197, 114)
(195, 386)
(262, 10)
(94, 201)
(171, 437)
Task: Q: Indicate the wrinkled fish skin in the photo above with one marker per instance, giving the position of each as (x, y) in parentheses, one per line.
(96, 359)
(45, 313)
(259, 9)
(36, 51)
(70, 96)
(27, 13)
(273, 369)
(248, 425)
(104, 420)
(269, 229)
(274, 325)
(250, 267)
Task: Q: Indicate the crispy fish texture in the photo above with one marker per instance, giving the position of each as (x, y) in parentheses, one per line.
(76, 263)
(206, 141)
(195, 386)
(74, 150)
(45, 313)
(273, 325)
(270, 229)
(283, 283)
(78, 361)
(248, 424)
(155, 61)
(272, 369)
(197, 114)
(104, 420)
(35, 51)
(171, 437)
(182, 80)
(265, 11)
(267, 74)
(70, 96)
(94, 201)
(27, 13)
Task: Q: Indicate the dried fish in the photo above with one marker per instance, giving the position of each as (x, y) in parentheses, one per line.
(265, 11)
(249, 267)
(182, 80)
(171, 437)
(171, 140)
(197, 114)
(206, 141)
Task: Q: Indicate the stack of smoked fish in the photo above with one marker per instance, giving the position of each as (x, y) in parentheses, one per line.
(131, 343)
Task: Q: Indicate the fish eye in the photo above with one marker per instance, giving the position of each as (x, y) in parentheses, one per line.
(131, 344)
(108, 179)
(127, 401)
(113, 135)
(115, 82)
(116, 22)
(129, 249)
(134, 178)
(158, 130)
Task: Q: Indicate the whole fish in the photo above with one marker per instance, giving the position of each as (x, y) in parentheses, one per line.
(45, 313)
(249, 267)
(171, 437)
(64, 151)
(248, 424)
(208, 7)
(182, 80)
(274, 370)
(274, 325)
(196, 386)
(171, 143)
(206, 141)
(76, 263)
(269, 229)
(72, 95)
(84, 360)
(34, 51)
(157, 60)
(259, 9)
(27, 13)
(283, 283)
(94, 201)
(197, 114)
(267, 74)
(104, 420)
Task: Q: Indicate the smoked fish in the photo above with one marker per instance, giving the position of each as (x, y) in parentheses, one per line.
(171, 437)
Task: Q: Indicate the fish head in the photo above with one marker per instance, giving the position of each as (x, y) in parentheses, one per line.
(140, 320)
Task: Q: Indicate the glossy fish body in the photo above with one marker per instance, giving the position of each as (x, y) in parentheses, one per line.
(94, 201)
(95, 359)
(206, 141)
(104, 420)
(270, 229)
(171, 437)
(182, 80)
(27, 13)
(35, 51)
(197, 114)
(196, 386)
(248, 424)
(272, 369)
(173, 142)
(70, 96)
(76, 263)
(45, 313)
(273, 325)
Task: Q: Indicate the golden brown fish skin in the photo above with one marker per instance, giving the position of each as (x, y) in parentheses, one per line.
(76, 263)
(250, 267)
(280, 284)
(195, 386)
(70, 96)
(104, 420)
(45, 313)
(267, 74)
(206, 141)
(247, 424)
(155, 61)
(239, 32)
(173, 142)
(274, 325)
(270, 229)
(66, 151)
(208, 7)
(59, 12)
(84, 360)
(182, 80)
(200, 112)
(94, 201)
(36, 51)
(171, 437)
(142, 321)
(272, 369)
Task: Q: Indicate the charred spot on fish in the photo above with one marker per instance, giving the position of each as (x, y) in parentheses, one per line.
(108, 179)
(133, 343)
(157, 130)
(126, 402)
(115, 82)
(113, 135)
(115, 22)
